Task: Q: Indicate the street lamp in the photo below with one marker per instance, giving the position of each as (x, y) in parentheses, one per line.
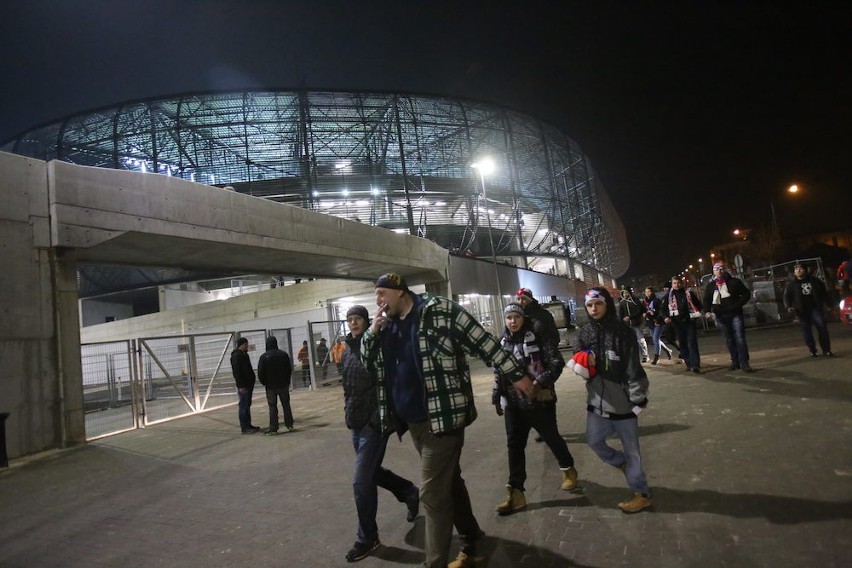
(794, 189)
(486, 166)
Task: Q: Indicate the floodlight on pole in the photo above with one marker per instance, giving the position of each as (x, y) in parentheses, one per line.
(486, 166)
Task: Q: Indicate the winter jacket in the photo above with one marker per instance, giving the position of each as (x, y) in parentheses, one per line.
(542, 362)
(274, 367)
(621, 382)
(726, 298)
(653, 311)
(805, 295)
(361, 399)
(543, 324)
(631, 308)
(445, 333)
(241, 367)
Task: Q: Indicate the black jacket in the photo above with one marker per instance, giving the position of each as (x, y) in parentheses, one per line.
(806, 294)
(274, 367)
(543, 324)
(242, 369)
(739, 295)
(682, 305)
(360, 393)
(631, 308)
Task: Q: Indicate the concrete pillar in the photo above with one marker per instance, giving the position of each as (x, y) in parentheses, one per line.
(69, 366)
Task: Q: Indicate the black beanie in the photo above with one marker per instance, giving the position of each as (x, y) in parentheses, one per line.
(358, 311)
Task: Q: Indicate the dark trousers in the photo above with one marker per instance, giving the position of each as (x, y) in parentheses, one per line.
(244, 407)
(369, 474)
(542, 418)
(272, 398)
(687, 337)
(814, 318)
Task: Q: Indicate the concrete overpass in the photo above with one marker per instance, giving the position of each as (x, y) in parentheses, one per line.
(55, 215)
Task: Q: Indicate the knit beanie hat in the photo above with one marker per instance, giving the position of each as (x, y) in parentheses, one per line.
(513, 309)
(524, 292)
(359, 311)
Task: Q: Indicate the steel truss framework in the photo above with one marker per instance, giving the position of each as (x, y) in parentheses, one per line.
(393, 160)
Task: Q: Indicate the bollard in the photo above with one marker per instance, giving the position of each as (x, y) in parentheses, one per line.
(4, 460)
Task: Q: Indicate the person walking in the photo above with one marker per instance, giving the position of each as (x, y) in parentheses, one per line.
(541, 319)
(520, 413)
(681, 308)
(244, 378)
(617, 391)
(805, 296)
(274, 370)
(632, 312)
(654, 321)
(337, 349)
(361, 411)
(305, 362)
(724, 298)
(322, 357)
(417, 347)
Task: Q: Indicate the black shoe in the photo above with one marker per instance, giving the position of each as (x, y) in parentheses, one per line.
(814, 354)
(828, 354)
(696, 370)
(413, 504)
(748, 369)
(271, 432)
(733, 367)
(251, 430)
(656, 358)
(362, 550)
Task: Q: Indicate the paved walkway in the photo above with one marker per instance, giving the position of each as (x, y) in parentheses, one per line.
(747, 471)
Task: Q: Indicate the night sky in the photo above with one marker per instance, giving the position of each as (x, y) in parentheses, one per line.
(696, 115)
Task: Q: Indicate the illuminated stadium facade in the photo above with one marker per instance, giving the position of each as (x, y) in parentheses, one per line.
(398, 161)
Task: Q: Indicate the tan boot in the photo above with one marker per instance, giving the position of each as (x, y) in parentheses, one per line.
(515, 501)
(569, 478)
(464, 560)
(636, 504)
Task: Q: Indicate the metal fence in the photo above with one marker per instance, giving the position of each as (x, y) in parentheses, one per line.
(108, 387)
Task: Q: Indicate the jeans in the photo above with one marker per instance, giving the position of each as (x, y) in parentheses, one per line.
(443, 493)
(598, 429)
(542, 417)
(272, 398)
(733, 330)
(244, 407)
(814, 318)
(656, 339)
(369, 474)
(687, 337)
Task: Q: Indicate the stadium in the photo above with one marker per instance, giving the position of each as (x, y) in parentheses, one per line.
(398, 161)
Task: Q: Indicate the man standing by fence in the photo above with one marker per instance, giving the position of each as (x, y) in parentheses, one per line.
(244, 378)
(274, 370)
(806, 296)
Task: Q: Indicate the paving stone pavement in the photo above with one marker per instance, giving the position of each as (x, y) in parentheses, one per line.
(746, 471)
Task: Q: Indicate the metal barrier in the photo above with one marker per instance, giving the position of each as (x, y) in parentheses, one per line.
(108, 387)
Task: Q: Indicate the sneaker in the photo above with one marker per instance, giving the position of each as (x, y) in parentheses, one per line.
(696, 370)
(515, 501)
(748, 369)
(251, 430)
(814, 354)
(656, 358)
(271, 433)
(569, 479)
(413, 504)
(465, 560)
(637, 503)
(362, 550)
(828, 354)
(733, 367)
(290, 428)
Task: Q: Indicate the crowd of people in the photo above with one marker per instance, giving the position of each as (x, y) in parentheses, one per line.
(405, 369)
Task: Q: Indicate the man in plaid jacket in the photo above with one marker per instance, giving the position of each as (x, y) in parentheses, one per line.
(417, 347)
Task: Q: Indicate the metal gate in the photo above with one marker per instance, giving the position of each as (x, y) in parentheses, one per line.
(183, 374)
(324, 336)
(110, 400)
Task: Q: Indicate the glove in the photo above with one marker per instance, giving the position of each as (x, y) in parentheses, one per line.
(498, 409)
(583, 364)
